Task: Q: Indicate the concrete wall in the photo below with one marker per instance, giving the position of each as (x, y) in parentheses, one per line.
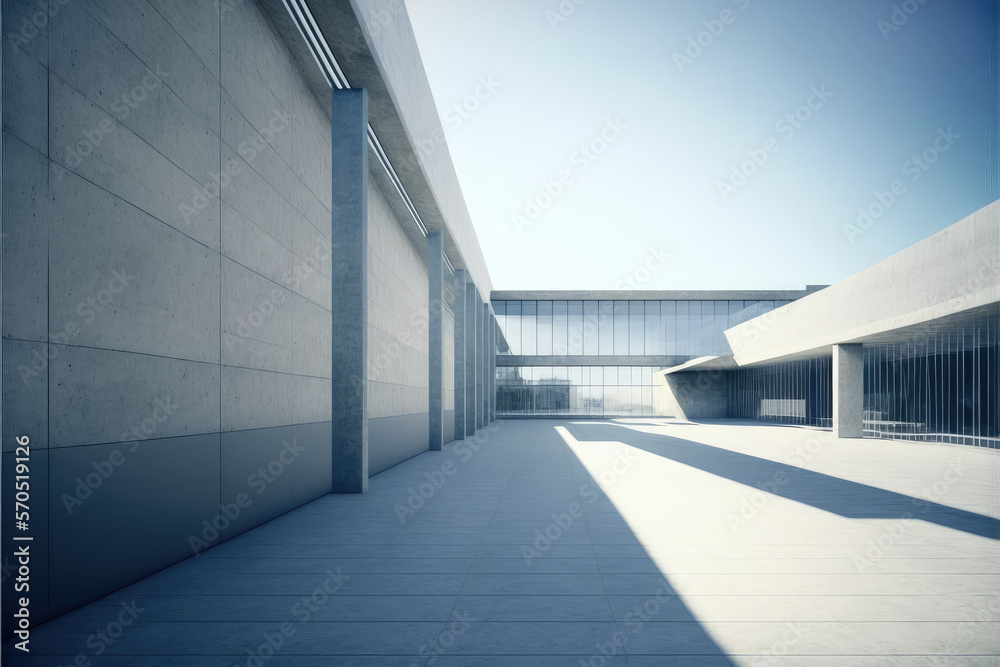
(164, 336)
(693, 395)
(397, 340)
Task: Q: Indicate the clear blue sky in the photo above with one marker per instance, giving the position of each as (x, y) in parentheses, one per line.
(664, 176)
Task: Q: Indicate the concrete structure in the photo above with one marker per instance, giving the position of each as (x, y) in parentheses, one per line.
(728, 546)
(216, 299)
(239, 275)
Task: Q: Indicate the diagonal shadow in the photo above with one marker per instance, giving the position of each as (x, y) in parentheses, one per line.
(826, 492)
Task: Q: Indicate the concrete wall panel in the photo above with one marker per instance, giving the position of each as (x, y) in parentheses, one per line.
(100, 396)
(25, 390)
(392, 440)
(24, 95)
(144, 32)
(128, 281)
(257, 316)
(132, 92)
(26, 242)
(89, 142)
(121, 531)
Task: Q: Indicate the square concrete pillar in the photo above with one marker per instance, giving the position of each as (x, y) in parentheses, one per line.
(848, 390)
(350, 290)
(484, 401)
(471, 352)
(435, 339)
(461, 333)
(493, 368)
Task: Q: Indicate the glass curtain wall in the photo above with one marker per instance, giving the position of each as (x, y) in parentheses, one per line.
(943, 386)
(794, 392)
(600, 328)
(608, 391)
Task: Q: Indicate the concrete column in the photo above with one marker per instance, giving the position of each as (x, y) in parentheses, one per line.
(484, 401)
(472, 311)
(435, 338)
(493, 368)
(848, 390)
(461, 333)
(350, 290)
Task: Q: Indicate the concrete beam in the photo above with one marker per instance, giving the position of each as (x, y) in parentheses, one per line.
(848, 390)
(350, 290)
(435, 338)
(950, 273)
(461, 334)
(652, 295)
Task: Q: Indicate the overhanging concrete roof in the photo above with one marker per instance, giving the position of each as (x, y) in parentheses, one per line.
(717, 363)
(375, 48)
(927, 287)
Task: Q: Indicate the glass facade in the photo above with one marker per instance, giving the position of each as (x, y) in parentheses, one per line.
(601, 328)
(943, 386)
(609, 391)
(794, 392)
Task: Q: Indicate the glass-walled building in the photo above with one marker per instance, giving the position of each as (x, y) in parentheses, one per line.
(941, 385)
(681, 329)
(597, 353)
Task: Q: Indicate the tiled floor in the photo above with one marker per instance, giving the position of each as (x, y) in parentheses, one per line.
(634, 542)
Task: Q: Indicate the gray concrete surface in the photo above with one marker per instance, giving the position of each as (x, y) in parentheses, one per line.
(435, 339)
(350, 291)
(848, 390)
(623, 542)
(461, 347)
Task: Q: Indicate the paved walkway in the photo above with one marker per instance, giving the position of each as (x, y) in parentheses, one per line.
(629, 542)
